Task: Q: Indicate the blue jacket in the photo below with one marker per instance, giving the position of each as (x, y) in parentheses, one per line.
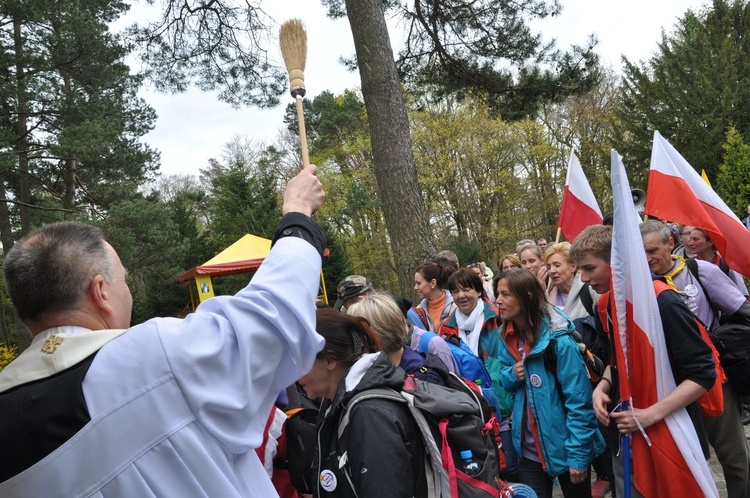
(489, 349)
(565, 430)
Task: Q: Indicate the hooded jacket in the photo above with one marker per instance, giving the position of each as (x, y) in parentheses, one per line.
(381, 452)
(565, 430)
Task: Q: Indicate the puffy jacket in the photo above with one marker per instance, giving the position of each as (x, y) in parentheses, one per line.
(489, 349)
(385, 454)
(565, 430)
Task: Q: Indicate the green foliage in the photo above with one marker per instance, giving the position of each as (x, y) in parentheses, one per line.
(243, 194)
(487, 49)
(336, 266)
(733, 182)
(688, 90)
(7, 354)
(70, 117)
(340, 145)
(484, 179)
(153, 249)
(467, 251)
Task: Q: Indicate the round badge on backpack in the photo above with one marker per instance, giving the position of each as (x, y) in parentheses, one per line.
(536, 381)
(328, 480)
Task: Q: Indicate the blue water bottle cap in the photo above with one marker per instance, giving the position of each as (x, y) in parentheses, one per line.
(466, 454)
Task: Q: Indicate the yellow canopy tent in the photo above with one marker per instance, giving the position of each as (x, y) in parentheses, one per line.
(243, 256)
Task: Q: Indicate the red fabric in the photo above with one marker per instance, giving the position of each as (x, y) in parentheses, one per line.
(261, 450)
(712, 402)
(476, 483)
(659, 470)
(575, 215)
(447, 457)
(728, 235)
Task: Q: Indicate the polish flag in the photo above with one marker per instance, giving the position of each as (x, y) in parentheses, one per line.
(670, 462)
(579, 208)
(676, 192)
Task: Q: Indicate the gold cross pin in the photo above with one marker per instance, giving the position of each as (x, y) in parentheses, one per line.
(51, 343)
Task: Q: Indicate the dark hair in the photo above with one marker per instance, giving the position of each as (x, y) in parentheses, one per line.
(50, 269)
(439, 272)
(525, 287)
(467, 279)
(347, 337)
(706, 236)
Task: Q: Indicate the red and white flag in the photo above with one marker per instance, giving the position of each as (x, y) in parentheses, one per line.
(673, 464)
(676, 192)
(579, 208)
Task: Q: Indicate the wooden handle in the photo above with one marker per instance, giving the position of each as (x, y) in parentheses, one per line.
(302, 132)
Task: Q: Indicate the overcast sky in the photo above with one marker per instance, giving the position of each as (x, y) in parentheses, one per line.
(194, 126)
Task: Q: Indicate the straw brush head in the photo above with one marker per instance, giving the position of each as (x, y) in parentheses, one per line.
(293, 42)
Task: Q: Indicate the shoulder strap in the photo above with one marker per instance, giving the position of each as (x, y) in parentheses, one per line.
(425, 340)
(586, 299)
(724, 266)
(374, 393)
(550, 363)
(660, 287)
(692, 265)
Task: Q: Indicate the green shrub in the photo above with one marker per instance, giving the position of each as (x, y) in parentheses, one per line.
(7, 354)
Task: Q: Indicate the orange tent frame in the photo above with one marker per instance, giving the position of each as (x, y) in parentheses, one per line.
(245, 255)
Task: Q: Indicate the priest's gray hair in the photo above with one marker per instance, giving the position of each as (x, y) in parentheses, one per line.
(50, 269)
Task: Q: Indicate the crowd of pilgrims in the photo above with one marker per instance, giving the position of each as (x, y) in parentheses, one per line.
(506, 319)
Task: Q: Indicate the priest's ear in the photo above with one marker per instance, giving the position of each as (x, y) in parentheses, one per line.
(100, 294)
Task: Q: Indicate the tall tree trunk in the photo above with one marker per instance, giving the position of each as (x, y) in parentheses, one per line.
(403, 206)
(70, 162)
(6, 228)
(22, 131)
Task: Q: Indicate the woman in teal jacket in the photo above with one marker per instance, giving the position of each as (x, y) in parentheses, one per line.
(553, 424)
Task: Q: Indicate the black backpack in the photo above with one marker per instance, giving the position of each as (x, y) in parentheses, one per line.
(457, 415)
(731, 339)
(594, 365)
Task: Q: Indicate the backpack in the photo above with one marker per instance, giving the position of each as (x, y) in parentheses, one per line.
(586, 300)
(470, 366)
(731, 339)
(594, 366)
(450, 420)
(300, 439)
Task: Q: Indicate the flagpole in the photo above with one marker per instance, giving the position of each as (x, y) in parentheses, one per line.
(625, 442)
(559, 232)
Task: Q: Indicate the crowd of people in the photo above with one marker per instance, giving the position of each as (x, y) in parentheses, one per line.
(213, 404)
